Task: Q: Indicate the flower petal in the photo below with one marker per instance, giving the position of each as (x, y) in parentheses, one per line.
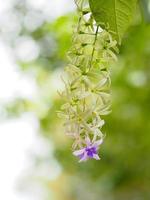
(98, 142)
(88, 141)
(96, 157)
(84, 158)
(78, 152)
(100, 123)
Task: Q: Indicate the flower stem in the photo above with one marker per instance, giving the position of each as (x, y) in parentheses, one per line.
(91, 60)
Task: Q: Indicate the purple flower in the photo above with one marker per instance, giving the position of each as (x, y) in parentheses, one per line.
(90, 151)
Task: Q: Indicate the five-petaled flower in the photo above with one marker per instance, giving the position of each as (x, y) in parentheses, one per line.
(90, 151)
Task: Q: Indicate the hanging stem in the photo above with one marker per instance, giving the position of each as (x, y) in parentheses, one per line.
(91, 60)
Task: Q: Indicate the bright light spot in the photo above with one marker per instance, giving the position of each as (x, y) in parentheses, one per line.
(137, 78)
(5, 5)
(26, 49)
(33, 20)
(16, 137)
(52, 8)
(12, 83)
(10, 30)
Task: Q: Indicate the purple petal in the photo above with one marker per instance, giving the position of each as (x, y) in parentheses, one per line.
(90, 151)
(84, 158)
(88, 141)
(98, 142)
(81, 155)
(78, 152)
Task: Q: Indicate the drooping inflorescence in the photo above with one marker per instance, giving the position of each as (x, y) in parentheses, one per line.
(87, 88)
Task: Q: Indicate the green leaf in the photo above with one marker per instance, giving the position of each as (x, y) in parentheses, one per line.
(114, 15)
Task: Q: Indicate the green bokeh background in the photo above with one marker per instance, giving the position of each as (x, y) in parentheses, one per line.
(123, 173)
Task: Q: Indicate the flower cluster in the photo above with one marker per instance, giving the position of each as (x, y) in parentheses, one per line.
(87, 89)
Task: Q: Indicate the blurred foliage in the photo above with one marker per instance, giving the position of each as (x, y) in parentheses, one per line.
(124, 170)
